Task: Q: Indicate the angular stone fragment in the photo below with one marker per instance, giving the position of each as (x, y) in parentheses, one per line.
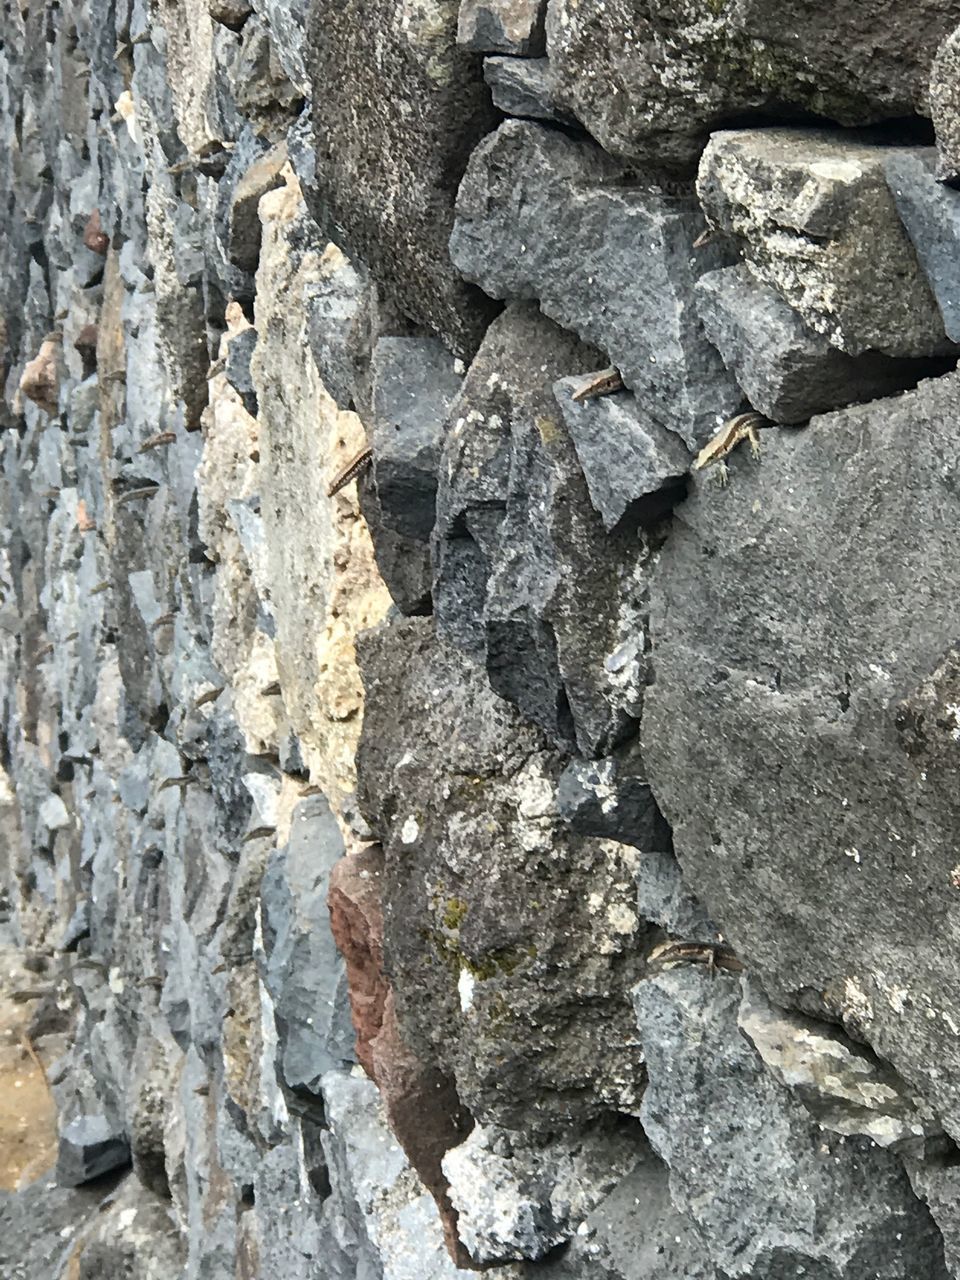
(397, 108)
(841, 1084)
(931, 214)
(788, 372)
(651, 79)
(239, 354)
(612, 798)
(814, 216)
(518, 1202)
(286, 21)
(338, 304)
(562, 607)
(938, 1182)
(542, 215)
(945, 106)
(302, 970)
(784, 1196)
(89, 1146)
(40, 380)
(510, 942)
(800, 729)
(631, 463)
(523, 87)
(502, 26)
(243, 226)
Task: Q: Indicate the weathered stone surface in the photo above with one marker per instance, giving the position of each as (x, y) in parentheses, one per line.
(831, 1207)
(787, 371)
(397, 107)
(651, 79)
(243, 221)
(945, 106)
(502, 26)
(239, 354)
(303, 971)
(40, 380)
(833, 734)
(89, 1146)
(931, 215)
(632, 465)
(286, 21)
(815, 219)
(524, 87)
(414, 383)
(557, 615)
(612, 798)
(517, 1202)
(938, 1182)
(541, 215)
(518, 993)
(841, 1084)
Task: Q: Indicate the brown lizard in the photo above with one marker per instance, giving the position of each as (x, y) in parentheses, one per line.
(600, 384)
(355, 467)
(742, 427)
(713, 955)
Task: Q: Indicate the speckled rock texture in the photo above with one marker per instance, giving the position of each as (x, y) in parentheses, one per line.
(467, 802)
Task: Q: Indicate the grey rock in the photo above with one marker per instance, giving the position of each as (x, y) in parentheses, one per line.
(631, 463)
(232, 13)
(611, 798)
(841, 1084)
(413, 384)
(787, 371)
(243, 220)
(523, 87)
(517, 992)
(804, 675)
(517, 1202)
(931, 215)
(89, 1146)
(502, 26)
(938, 1182)
(608, 1246)
(815, 219)
(239, 353)
(785, 1195)
(945, 106)
(257, 76)
(287, 22)
(338, 307)
(650, 79)
(664, 899)
(397, 108)
(39, 1226)
(542, 215)
(303, 971)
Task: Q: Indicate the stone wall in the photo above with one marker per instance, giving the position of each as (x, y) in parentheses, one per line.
(479, 684)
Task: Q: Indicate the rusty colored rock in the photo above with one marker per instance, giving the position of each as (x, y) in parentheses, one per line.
(40, 380)
(421, 1102)
(94, 236)
(85, 523)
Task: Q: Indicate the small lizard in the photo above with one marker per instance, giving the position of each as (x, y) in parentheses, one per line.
(713, 955)
(354, 468)
(600, 384)
(742, 427)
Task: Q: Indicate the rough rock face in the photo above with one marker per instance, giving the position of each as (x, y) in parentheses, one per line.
(835, 669)
(397, 108)
(478, 764)
(650, 80)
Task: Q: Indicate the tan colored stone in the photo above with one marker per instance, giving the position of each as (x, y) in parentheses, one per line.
(40, 380)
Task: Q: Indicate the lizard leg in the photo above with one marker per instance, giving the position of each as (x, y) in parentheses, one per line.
(754, 440)
(723, 475)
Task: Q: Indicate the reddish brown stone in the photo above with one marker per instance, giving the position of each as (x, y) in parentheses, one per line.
(421, 1103)
(94, 236)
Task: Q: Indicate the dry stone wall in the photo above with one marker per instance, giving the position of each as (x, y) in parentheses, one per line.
(479, 679)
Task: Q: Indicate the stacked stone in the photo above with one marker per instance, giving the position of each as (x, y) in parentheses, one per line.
(540, 856)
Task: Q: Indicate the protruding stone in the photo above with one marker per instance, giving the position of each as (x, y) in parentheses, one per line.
(89, 1146)
(243, 232)
(94, 236)
(815, 219)
(516, 1202)
(240, 349)
(651, 80)
(40, 380)
(843, 1086)
(633, 466)
(931, 214)
(524, 87)
(945, 107)
(784, 1194)
(502, 26)
(611, 798)
(541, 215)
(397, 108)
(787, 371)
(232, 13)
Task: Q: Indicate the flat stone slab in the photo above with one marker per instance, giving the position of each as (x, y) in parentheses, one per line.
(543, 215)
(787, 371)
(524, 87)
(812, 214)
(502, 26)
(931, 215)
